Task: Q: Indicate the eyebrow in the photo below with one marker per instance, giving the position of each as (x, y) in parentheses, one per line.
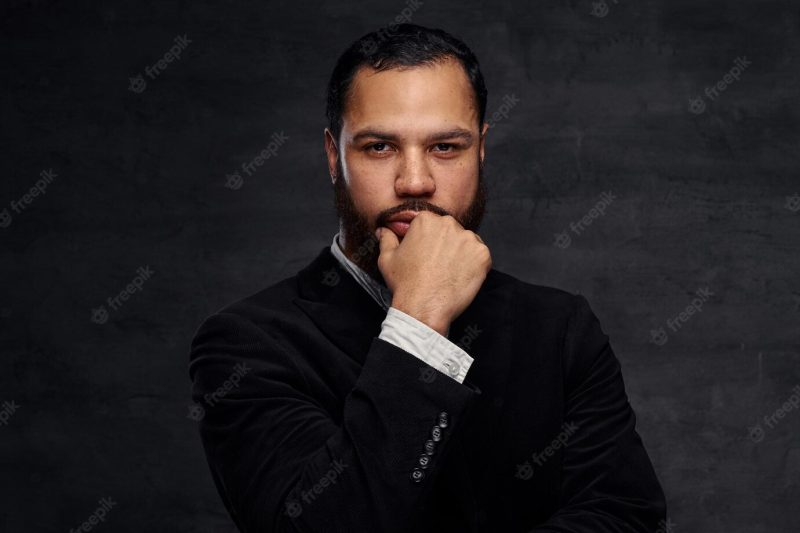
(456, 133)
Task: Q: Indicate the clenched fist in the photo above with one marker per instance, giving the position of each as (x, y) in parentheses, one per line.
(435, 273)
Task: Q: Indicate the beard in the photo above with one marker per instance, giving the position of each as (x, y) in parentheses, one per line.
(361, 245)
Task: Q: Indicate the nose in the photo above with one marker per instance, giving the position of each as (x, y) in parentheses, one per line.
(414, 177)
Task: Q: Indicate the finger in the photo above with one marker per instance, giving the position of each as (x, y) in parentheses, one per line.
(388, 240)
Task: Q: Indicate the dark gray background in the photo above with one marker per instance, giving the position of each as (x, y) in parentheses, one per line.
(701, 200)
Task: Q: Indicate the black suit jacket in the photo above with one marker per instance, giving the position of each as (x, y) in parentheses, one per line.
(312, 423)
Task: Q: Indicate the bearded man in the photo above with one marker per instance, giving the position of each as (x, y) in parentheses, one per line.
(399, 382)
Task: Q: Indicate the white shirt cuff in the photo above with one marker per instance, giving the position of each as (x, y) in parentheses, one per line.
(424, 342)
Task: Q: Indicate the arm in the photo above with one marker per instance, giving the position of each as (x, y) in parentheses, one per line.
(283, 461)
(608, 482)
(417, 338)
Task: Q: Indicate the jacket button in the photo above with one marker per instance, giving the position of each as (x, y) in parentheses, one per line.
(430, 447)
(424, 461)
(417, 475)
(436, 433)
(443, 419)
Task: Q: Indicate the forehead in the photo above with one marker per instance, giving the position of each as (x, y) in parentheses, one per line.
(424, 96)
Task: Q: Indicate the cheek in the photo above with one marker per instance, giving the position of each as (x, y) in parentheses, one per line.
(366, 194)
(459, 181)
(360, 162)
(369, 182)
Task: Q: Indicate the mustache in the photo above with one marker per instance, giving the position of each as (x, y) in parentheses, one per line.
(411, 205)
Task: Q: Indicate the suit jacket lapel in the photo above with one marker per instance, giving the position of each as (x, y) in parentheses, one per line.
(338, 305)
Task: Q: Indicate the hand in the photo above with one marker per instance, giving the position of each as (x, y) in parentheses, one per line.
(435, 273)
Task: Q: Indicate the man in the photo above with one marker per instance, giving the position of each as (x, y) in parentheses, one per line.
(399, 382)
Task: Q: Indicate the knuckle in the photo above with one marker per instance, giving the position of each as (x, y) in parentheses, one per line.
(471, 236)
(486, 254)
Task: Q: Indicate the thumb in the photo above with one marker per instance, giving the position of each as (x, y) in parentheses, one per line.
(388, 240)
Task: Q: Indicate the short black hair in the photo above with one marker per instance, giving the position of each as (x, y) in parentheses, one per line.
(401, 45)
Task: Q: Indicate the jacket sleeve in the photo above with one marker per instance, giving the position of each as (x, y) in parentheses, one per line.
(286, 458)
(608, 482)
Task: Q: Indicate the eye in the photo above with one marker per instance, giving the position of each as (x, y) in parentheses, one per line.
(378, 147)
(447, 148)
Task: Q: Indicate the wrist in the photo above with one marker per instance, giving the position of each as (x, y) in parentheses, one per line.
(433, 318)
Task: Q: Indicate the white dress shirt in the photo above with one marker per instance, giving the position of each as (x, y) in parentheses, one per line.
(405, 331)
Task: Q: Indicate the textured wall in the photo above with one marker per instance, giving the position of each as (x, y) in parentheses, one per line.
(143, 200)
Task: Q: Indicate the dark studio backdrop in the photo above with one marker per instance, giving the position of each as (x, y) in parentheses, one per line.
(642, 153)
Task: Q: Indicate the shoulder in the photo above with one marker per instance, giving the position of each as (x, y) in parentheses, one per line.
(569, 316)
(255, 315)
(534, 299)
(566, 318)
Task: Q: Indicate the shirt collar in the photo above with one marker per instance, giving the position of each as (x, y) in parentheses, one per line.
(379, 292)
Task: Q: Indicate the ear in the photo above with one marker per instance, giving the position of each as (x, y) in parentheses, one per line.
(332, 154)
(484, 130)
